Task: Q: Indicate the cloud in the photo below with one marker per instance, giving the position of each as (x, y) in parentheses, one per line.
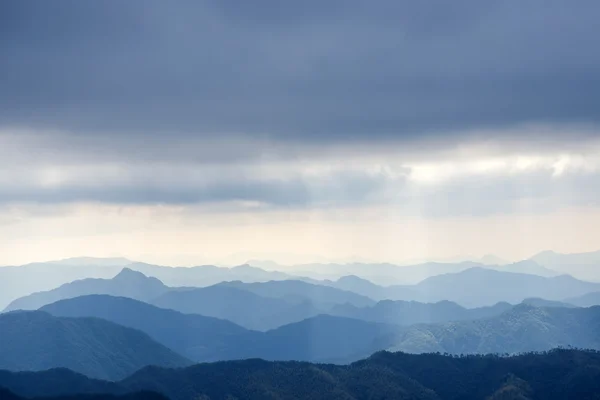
(340, 72)
(474, 185)
(257, 186)
(462, 108)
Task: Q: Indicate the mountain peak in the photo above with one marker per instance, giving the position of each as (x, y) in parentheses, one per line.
(129, 274)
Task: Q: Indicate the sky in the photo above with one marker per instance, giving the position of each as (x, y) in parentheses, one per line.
(191, 132)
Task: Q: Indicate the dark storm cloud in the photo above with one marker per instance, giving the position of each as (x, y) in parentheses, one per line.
(338, 189)
(305, 71)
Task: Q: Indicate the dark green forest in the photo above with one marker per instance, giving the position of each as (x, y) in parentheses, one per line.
(8, 395)
(554, 375)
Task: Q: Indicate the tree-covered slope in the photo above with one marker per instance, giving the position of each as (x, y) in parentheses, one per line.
(203, 339)
(554, 375)
(197, 337)
(6, 394)
(35, 340)
(523, 328)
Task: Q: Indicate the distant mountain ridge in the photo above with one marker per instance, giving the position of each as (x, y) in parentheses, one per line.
(259, 306)
(17, 282)
(480, 287)
(321, 296)
(473, 287)
(387, 274)
(582, 265)
(207, 275)
(20, 281)
(382, 273)
(268, 305)
(127, 283)
(412, 312)
(237, 305)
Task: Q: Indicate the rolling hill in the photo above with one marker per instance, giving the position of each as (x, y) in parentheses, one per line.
(197, 337)
(321, 338)
(35, 340)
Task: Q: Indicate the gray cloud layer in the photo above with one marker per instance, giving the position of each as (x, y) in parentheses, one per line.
(156, 90)
(297, 71)
(534, 191)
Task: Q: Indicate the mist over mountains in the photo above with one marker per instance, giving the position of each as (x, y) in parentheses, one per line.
(17, 282)
(301, 200)
(109, 327)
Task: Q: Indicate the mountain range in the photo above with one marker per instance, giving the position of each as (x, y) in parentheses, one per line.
(196, 337)
(473, 287)
(200, 338)
(477, 287)
(110, 327)
(237, 305)
(267, 305)
(260, 306)
(582, 265)
(207, 275)
(20, 281)
(126, 283)
(392, 274)
(499, 329)
(401, 312)
(295, 291)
